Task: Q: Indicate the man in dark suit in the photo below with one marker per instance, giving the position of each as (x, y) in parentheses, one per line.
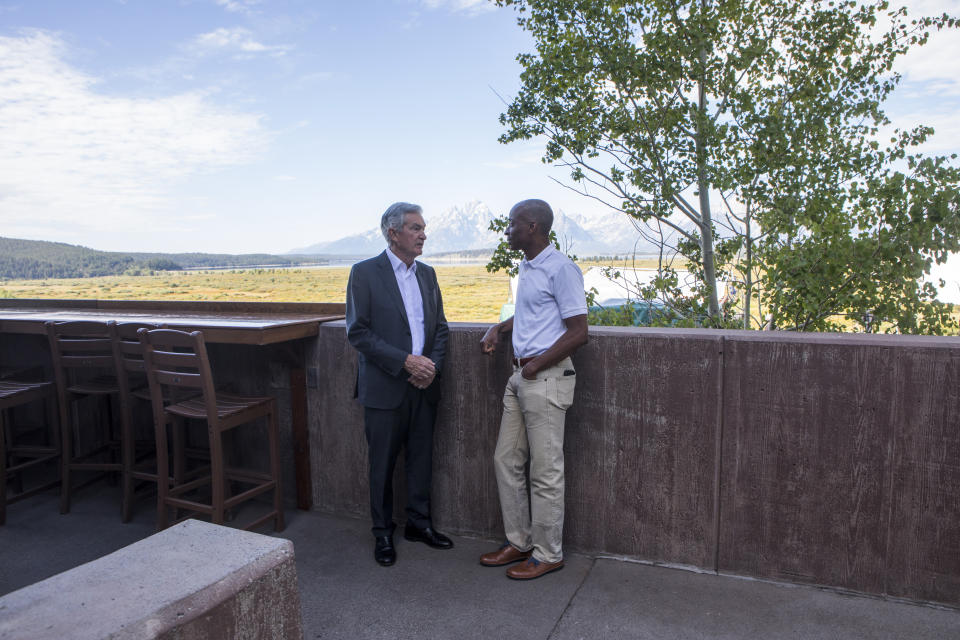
(395, 321)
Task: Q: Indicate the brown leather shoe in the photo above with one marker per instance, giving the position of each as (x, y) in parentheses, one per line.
(532, 568)
(504, 555)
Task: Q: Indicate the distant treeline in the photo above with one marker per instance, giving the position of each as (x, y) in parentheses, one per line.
(38, 259)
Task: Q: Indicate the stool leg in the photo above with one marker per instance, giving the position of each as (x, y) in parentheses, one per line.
(217, 475)
(114, 446)
(3, 468)
(66, 454)
(177, 439)
(7, 425)
(163, 476)
(274, 429)
(127, 458)
(52, 417)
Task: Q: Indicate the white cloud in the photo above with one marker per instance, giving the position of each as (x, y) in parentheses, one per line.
(527, 158)
(238, 6)
(928, 7)
(236, 39)
(930, 91)
(945, 123)
(467, 6)
(938, 61)
(73, 157)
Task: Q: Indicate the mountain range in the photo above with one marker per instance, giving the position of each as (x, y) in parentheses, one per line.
(465, 228)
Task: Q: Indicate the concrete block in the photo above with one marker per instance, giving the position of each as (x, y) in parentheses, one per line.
(194, 580)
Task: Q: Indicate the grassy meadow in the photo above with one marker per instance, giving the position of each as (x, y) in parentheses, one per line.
(469, 292)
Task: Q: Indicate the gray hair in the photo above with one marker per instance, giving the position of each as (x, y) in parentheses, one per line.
(393, 217)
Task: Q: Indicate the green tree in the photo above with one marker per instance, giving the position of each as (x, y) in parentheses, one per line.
(767, 111)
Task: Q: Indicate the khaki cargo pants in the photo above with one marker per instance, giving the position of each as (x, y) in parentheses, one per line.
(532, 428)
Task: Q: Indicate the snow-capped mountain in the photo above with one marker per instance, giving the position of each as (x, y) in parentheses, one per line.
(462, 228)
(360, 244)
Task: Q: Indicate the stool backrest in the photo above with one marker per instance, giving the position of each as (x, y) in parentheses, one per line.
(128, 350)
(128, 356)
(176, 363)
(80, 348)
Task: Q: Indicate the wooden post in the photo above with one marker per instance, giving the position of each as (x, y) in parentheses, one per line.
(301, 442)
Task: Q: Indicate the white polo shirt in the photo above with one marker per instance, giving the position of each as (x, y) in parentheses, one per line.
(412, 299)
(549, 289)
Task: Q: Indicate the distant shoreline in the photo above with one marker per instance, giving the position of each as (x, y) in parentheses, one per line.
(442, 259)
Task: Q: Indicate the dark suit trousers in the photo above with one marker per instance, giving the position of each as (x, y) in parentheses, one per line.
(409, 426)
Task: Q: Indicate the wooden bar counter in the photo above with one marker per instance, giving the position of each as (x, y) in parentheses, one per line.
(227, 323)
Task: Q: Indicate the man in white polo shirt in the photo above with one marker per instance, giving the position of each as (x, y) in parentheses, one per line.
(549, 324)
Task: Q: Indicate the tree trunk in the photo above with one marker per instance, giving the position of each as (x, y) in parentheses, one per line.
(706, 219)
(748, 272)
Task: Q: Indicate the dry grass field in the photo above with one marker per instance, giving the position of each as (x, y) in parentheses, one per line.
(470, 294)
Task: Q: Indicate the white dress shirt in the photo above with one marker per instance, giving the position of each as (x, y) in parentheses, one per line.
(412, 299)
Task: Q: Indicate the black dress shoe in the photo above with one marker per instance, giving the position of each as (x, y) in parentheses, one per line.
(433, 538)
(383, 551)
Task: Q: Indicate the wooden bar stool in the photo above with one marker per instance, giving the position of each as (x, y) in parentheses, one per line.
(24, 455)
(84, 366)
(132, 379)
(178, 360)
(132, 382)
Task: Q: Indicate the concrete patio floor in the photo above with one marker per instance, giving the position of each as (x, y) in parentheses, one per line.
(447, 594)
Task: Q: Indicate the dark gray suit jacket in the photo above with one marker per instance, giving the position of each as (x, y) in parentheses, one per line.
(378, 329)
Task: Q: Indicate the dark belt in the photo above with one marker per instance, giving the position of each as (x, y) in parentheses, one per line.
(521, 362)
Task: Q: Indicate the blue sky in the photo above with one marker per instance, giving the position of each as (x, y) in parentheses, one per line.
(264, 125)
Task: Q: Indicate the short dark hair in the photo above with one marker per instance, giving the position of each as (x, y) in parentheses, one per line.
(393, 217)
(537, 211)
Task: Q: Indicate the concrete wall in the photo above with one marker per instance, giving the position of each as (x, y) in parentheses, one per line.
(812, 458)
